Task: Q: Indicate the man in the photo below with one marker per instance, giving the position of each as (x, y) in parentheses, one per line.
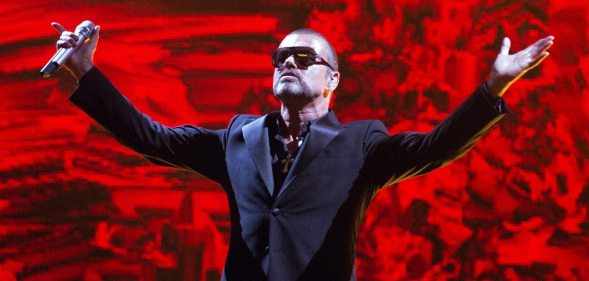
(298, 182)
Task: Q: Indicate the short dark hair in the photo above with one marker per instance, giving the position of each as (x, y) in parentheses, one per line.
(331, 53)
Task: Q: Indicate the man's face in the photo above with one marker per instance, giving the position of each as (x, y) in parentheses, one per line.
(294, 80)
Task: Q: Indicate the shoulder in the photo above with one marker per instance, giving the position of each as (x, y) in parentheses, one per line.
(367, 125)
(242, 119)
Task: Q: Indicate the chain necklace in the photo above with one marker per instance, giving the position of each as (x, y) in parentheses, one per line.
(291, 151)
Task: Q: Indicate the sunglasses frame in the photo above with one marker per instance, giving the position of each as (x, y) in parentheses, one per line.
(294, 51)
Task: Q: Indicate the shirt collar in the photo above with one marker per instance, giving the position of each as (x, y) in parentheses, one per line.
(275, 122)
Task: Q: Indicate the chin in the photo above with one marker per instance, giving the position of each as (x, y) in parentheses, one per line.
(282, 91)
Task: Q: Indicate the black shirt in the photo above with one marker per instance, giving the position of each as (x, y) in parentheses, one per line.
(282, 159)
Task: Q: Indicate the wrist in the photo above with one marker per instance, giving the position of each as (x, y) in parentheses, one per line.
(496, 87)
(79, 70)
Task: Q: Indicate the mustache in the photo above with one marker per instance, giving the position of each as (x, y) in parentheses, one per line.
(289, 73)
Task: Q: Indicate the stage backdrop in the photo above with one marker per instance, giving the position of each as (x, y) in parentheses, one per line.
(76, 205)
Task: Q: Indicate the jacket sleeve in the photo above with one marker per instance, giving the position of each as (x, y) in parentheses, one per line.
(390, 159)
(187, 147)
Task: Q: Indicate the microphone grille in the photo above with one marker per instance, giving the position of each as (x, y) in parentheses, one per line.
(85, 28)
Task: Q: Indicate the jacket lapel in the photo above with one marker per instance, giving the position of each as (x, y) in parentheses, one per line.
(321, 133)
(256, 139)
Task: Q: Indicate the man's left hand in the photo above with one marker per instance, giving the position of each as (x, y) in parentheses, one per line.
(508, 68)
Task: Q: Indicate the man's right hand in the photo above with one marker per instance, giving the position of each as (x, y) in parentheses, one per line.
(82, 59)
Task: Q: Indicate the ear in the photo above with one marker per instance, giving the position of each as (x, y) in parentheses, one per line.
(333, 81)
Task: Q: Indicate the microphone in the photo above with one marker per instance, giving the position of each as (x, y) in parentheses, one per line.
(83, 31)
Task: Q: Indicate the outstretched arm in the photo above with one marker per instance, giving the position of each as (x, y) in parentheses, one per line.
(405, 155)
(188, 147)
(508, 68)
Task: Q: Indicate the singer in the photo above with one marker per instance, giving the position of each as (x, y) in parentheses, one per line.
(298, 181)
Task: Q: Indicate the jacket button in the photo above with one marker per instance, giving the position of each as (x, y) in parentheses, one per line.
(275, 211)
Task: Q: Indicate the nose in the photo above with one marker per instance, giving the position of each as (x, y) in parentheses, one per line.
(290, 62)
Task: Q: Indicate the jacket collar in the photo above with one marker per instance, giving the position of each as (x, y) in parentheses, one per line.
(321, 132)
(257, 142)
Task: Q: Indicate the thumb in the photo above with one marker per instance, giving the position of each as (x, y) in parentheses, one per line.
(505, 46)
(95, 34)
(94, 37)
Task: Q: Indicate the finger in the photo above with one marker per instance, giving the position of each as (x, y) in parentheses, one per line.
(63, 44)
(541, 52)
(547, 42)
(538, 60)
(541, 46)
(58, 27)
(544, 42)
(505, 46)
(548, 38)
(71, 38)
(69, 35)
(74, 36)
(70, 41)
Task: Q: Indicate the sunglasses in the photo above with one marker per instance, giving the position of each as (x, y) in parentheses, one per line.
(304, 56)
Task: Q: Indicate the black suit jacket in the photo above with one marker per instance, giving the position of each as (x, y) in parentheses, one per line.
(309, 231)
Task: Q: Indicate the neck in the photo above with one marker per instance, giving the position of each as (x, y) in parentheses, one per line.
(295, 116)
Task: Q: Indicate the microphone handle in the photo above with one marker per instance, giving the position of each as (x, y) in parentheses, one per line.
(84, 31)
(56, 61)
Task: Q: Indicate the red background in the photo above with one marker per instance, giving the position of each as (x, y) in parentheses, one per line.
(76, 205)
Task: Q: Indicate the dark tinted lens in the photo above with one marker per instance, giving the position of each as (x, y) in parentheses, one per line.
(280, 55)
(303, 55)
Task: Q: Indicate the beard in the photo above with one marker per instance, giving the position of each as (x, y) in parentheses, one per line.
(293, 89)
